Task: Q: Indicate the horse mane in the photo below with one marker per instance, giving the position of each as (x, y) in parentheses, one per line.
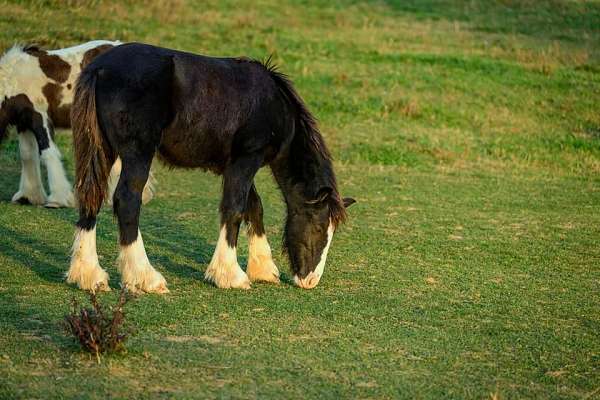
(310, 140)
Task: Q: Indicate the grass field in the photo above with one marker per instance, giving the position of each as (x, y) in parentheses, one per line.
(469, 133)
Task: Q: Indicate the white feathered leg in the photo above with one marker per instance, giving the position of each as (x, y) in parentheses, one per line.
(31, 188)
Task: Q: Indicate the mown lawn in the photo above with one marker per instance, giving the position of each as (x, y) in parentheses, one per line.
(469, 133)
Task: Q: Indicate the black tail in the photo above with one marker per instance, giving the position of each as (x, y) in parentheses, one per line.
(92, 152)
(308, 143)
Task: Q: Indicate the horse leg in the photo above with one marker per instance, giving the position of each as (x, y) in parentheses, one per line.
(224, 270)
(260, 262)
(115, 172)
(61, 193)
(31, 188)
(136, 271)
(85, 270)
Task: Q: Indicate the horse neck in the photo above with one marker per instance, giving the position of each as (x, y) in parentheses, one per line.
(301, 172)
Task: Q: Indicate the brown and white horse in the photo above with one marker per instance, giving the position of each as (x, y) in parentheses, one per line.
(231, 116)
(36, 92)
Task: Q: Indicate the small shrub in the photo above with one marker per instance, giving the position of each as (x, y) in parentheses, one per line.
(97, 330)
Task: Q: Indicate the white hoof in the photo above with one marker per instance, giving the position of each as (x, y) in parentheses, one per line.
(262, 268)
(88, 276)
(227, 276)
(147, 280)
(141, 276)
(65, 199)
(29, 197)
(137, 274)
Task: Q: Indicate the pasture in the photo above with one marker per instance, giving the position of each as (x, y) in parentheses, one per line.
(469, 134)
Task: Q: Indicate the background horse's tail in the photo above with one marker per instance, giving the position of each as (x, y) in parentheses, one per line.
(92, 166)
(309, 154)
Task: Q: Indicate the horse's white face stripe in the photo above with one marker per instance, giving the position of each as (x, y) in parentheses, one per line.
(312, 279)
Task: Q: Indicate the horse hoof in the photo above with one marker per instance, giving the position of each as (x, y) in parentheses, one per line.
(145, 279)
(31, 199)
(160, 288)
(227, 277)
(67, 201)
(88, 277)
(262, 270)
(24, 201)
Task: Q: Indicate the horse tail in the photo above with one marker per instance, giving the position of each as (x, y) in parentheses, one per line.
(92, 167)
(308, 144)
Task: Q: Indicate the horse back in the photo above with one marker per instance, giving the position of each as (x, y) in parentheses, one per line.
(216, 107)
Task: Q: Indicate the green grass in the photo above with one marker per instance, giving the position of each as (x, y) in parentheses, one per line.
(469, 133)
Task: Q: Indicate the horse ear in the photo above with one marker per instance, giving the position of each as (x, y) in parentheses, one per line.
(320, 196)
(348, 201)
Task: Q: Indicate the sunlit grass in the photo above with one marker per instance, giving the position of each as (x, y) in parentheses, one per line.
(468, 131)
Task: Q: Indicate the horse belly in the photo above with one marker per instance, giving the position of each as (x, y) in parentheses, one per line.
(187, 148)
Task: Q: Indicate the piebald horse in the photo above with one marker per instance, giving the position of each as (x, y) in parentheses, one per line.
(227, 115)
(36, 92)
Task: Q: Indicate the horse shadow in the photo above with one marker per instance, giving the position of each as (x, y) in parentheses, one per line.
(166, 241)
(10, 169)
(44, 260)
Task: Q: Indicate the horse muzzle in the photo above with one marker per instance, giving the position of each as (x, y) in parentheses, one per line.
(309, 281)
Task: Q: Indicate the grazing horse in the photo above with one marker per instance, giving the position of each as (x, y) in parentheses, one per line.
(36, 91)
(227, 115)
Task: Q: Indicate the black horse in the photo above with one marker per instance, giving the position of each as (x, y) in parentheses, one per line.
(227, 115)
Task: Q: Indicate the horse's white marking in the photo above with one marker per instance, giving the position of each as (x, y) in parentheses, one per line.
(312, 279)
(61, 194)
(224, 270)
(113, 180)
(30, 186)
(85, 269)
(136, 271)
(20, 73)
(260, 261)
(74, 56)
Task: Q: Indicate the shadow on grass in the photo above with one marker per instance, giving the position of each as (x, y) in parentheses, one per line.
(46, 261)
(10, 170)
(163, 237)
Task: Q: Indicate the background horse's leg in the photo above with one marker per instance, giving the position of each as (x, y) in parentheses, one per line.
(224, 270)
(260, 261)
(61, 192)
(31, 188)
(115, 172)
(136, 271)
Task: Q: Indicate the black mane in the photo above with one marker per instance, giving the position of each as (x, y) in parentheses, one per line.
(308, 147)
